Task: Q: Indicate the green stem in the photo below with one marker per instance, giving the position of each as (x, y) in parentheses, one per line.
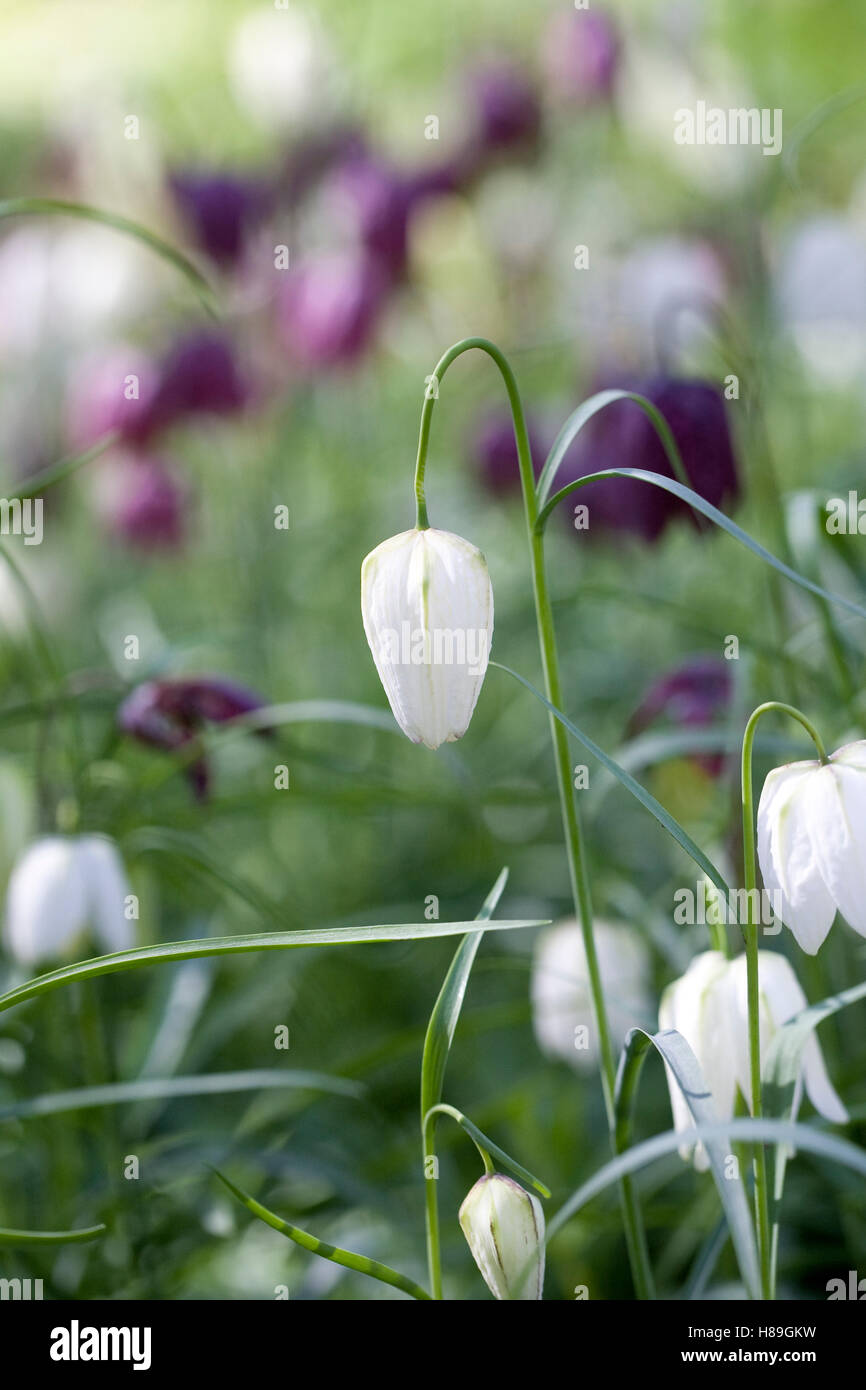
(434, 1244)
(578, 873)
(762, 1196)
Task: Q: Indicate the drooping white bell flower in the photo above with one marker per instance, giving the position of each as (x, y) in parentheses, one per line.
(427, 606)
(812, 843)
(504, 1226)
(61, 886)
(708, 1005)
(561, 1000)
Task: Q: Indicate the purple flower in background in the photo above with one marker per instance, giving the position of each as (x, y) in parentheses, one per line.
(691, 696)
(508, 112)
(622, 436)
(494, 452)
(505, 118)
(378, 201)
(199, 376)
(329, 308)
(168, 714)
(123, 390)
(144, 505)
(110, 390)
(220, 210)
(580, 55)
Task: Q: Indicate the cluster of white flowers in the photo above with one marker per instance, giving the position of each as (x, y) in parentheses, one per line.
(811, 848)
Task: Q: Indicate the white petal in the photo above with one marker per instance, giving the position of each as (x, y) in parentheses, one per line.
(504, 1227)
(698, 1007)
(427, 606)
(837, 824)
(46, 904)
(107, 890)
(560, 993)
(786, 854)
(819, 1087)
(782, 998)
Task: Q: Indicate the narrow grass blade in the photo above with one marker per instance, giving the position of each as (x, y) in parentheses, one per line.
(749, 1131)
(170, 1088)
(446, 1010)
(19, 207)
(655, 808)
(37, 483)
(362, 1264)
(30, 1238)
(584, 412)
(485, 1143)
(713, 514)
(782, 1066)
(685, 1068)
(142, 956)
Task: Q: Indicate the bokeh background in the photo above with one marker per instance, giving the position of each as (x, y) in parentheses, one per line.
(233, 130)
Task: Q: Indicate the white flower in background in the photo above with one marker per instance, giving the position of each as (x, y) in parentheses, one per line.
(281, 68)
(820, 293)
(65, 285)
(504, 1226)
(427, 606)
(812, 843)
(708, 1005)
(60, 887)
(561, 999)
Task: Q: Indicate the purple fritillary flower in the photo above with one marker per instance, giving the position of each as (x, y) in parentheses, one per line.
(507, 107)
(580, 55)
(691, 696)
(622, 436)
(147, 506)
(220, 210)
(380, 201)
(494, 452)
(329, 308)
(199, 376)
(98, 399)
(168, 714)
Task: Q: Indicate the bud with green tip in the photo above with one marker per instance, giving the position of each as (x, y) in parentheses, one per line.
(504, 1225)
(427, 606)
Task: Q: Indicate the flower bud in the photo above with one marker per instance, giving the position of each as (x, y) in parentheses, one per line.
(61, 886)
(427, 606)
(504, 1226)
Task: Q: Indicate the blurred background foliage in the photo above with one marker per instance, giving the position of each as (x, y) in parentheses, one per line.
(371, 826)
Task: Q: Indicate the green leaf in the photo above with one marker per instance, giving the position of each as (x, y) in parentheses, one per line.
(749, 1131)
(19, 207)
(705, 1261)
(655, 808)
(483, 1142)
(685, 1068)
(782, 1066)
(37, 483)
(9, 1237)
(362, 1264)
(584, 412)
(784, 1056)
(171, 951)
(170, 1088)
(446, 1010)
(434, 1059)
(706, 509)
